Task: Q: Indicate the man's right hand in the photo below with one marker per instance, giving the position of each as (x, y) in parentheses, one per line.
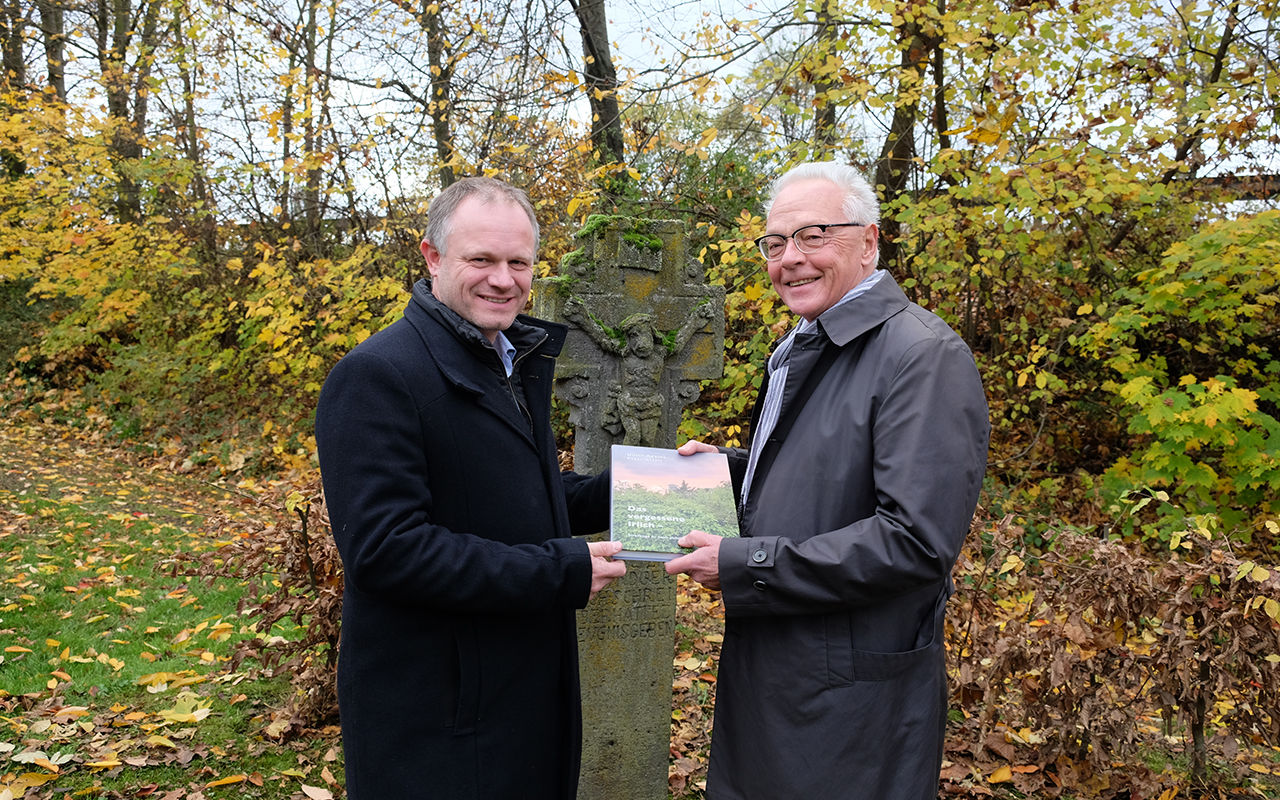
(703, 564)
(604, 571)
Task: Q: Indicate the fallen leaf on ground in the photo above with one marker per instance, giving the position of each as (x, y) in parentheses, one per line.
(227, 781)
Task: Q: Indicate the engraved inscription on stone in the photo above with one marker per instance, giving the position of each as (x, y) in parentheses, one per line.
(641, 611)
(625, 641)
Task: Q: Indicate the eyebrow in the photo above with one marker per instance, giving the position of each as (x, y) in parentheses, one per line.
(489, 254)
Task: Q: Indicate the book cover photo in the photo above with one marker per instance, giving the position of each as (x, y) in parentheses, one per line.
(659, 496)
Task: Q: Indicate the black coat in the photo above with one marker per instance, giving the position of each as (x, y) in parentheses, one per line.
(832, 681)
(458, 672)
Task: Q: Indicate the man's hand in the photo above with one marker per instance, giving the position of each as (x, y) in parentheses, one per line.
(603, 571)
(689, 448)
(703, 564)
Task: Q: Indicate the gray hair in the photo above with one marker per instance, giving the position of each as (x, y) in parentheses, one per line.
(860, 201)
(486, 190)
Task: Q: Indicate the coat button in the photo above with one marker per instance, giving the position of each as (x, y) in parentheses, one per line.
(759, 556)
(759, 585)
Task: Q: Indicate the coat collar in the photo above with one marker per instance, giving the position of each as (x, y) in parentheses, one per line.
(847, 322)
(528, 335)
(468, 360)
(841, 325)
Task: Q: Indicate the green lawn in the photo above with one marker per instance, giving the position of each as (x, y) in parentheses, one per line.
(115, 675)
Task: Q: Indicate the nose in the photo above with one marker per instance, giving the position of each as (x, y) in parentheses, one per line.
(790, 254)
(500, 276)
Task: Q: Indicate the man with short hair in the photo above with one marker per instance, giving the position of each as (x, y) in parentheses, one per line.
(868, 447)
(458, 674)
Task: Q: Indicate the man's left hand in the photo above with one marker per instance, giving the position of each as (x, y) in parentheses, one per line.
(703, 564)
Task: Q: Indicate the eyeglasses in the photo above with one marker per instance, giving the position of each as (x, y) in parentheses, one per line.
(809, 239)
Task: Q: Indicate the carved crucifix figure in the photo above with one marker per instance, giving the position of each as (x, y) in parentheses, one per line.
(645, 351)
(645, 329)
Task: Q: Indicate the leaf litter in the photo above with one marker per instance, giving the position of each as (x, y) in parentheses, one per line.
(136, 660)
(114, 666)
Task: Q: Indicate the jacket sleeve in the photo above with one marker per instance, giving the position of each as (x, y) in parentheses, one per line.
(588, 499)
(929, 441)
(370, 443)
(738, 458)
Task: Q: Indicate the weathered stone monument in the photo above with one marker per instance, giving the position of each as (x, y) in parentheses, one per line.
(644, 330)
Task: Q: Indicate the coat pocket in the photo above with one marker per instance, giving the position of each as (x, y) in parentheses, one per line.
(846, 664)
(839, 649)
(464, 634)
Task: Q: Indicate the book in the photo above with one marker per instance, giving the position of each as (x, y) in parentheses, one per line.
(658, 496)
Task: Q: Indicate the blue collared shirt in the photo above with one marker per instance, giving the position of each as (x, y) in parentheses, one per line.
(506, 351)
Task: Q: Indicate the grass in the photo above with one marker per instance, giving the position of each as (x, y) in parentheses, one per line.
(115, 667)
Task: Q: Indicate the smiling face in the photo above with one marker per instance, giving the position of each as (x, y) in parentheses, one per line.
(487, 269)
(810, 283)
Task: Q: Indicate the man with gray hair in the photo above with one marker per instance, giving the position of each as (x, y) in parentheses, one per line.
(458, 670)
(868, 447)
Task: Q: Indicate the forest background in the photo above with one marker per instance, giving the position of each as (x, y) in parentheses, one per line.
(204, 205)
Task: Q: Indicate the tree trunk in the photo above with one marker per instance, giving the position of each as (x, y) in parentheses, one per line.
(439, 107)
(13, 25)
(824, 106)
(142, 68)
(311, 137)
(322, 119)
(601, 82)
(14, 78)
(127, 88)
(897, 157)
(286, 143)
(940, 89)
(1199, 748)
(1203, 694)
(202, 215)
(53, 30)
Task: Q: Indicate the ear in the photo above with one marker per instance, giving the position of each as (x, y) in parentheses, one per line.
(870, 252)
(433, 257)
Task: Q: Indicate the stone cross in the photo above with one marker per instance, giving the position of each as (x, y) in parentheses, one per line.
(644, 330)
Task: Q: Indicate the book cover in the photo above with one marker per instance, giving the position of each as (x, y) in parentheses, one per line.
(659, 496)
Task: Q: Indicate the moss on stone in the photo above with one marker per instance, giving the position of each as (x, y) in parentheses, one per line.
(669, 341)
(643, 240)
(562, 285)
(635, 230)
(596, 223)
